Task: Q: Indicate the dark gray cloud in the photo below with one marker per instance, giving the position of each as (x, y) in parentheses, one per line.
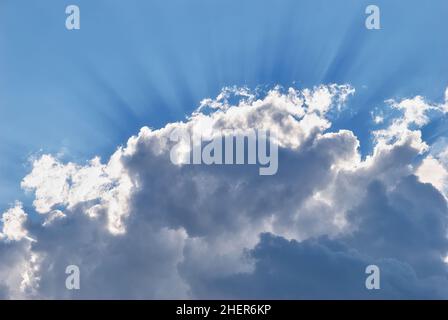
(403, 232)
(319, 269)
(408, 223)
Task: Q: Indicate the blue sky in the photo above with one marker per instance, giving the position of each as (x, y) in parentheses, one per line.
(197, 231)
(136, 63)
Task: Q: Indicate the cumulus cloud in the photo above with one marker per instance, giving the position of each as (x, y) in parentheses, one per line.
(320, 268)
(434, 172)
(18, 262)
(140, 226)
(13, 224)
